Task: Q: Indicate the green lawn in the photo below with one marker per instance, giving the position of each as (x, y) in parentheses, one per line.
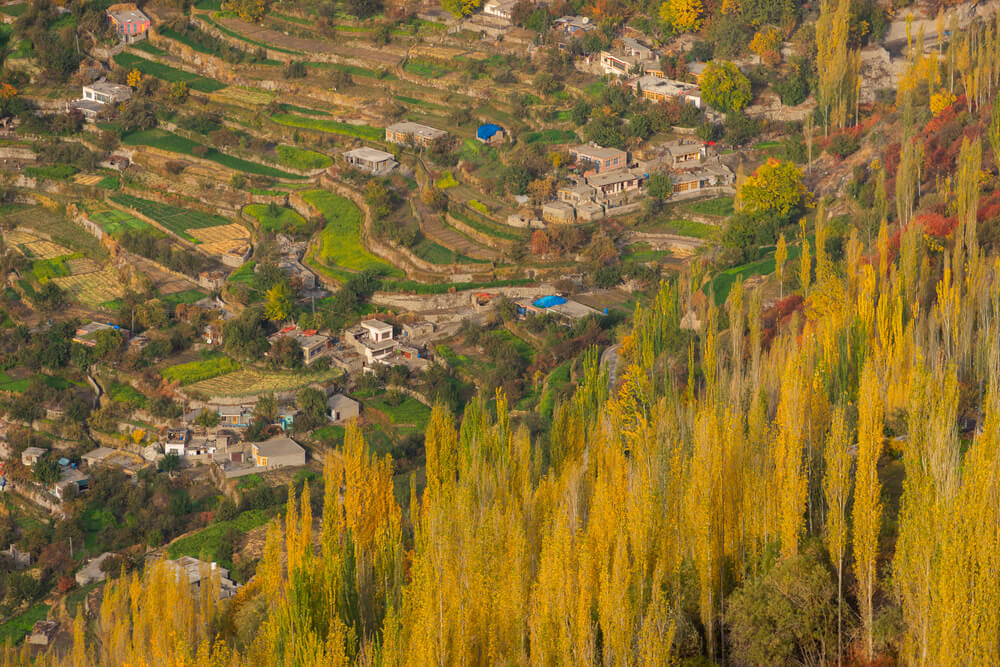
(14, 631)
(202, 84)
(59, 172)
(13, 10)
(287, 219)
(175, 143)
(522, 346)
(45, 269)
(340, 240)
(446, 181)
(354, 70)
(331, 435)
(173, 218)
(300, 158)
(330, 126)
(196, 371)
(126, 393)
(146, 47)
(205, 543)
(409, 412)
(718, 206)
(698, 230)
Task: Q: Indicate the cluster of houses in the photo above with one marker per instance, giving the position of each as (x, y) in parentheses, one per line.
(608, 181)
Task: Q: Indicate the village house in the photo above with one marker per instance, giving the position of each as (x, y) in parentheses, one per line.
(130, 23)
(87, 334)
(659, 89)
(108, 457)
(500, 9)
(301, 277)
(278, 452)
(314, 345)
(371, 160)
(598, 158)
(629, 58)
(176, 441)
(407, 132)
(372, 339)
(712, 174)
(418, 332)
(98, 94)
(197, 572)
(685, 154)
(69, 478)
(235, 416)
(20, 560)
(342, 408)
(491, 134)
(573, 25)
(617, 186)
(32, 455)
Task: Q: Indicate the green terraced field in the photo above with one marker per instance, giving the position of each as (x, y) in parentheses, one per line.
(202, 84)
(175, 143)
(114, 222)
(173, 218)
(287, 219)
(330, 126)
(340, 240)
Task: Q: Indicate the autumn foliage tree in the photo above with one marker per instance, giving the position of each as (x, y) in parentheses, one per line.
(725, 87)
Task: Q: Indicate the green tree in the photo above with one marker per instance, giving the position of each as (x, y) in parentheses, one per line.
(461, 8)
(659, 186)
(278, 302)
(725, 87)
(788, 616)
(46, 471)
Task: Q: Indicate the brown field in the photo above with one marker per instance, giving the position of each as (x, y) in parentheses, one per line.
(87, 179)
(33, 246)
(94, 288)
(222, 238)
(251, 381)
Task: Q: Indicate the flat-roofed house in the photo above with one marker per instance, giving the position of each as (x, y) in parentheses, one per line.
(615, 183)
(105, 92)
(130, 23)
(314, 345)
(500, 9)
(278, 452)
(658, 89)
(407, 132)
(599, 158)
(371, 160)
(685, 155)
(378, 330)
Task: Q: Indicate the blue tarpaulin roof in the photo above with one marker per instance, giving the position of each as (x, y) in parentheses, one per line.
(548, 301)
(488, 130)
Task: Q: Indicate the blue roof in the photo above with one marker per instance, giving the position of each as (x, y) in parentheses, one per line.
(488, 130)
(548, 301)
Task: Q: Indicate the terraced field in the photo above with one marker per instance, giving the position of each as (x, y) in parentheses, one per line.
(252, 381)
(339, 242)
(93, 289)
(177, 220)
(115, 222)
(130, 61)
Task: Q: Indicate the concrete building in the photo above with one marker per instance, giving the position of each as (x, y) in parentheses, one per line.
(628, 58)
(130, 23)
(198, 573)
(615, 186)
(711, 174)
(235, 416)
(573, 25)
(418, 332)
(278, 452)
(32, 455)
(558, 213)
(176, 441)
(592, 157)
(658, 89)
(407, 132)
(314, 345)
(342, 408)
(378, 330)
(105, 92)
(500, 9)
(371, 160)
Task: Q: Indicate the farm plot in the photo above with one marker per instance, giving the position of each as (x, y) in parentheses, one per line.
(34, 247)
(252, 381)
(339, 242)
(88, 179)
(222, 239)
(115, 222)
(94, 288)
(130, 61)
(177, 220)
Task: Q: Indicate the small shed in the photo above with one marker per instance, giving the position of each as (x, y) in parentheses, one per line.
(342, 408)
(43, 632)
